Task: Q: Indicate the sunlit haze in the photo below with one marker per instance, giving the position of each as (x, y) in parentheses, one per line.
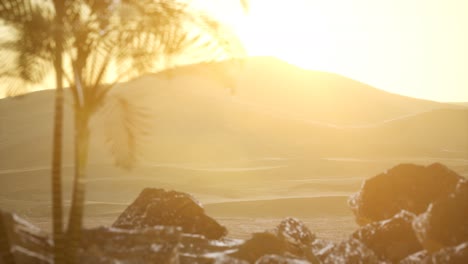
(415, 48)
(234, 131)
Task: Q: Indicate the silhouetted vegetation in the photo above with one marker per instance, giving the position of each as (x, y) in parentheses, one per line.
(101, 42)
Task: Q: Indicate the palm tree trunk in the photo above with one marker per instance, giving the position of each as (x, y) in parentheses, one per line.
(57, 214)
(75, 220)
(6, 256)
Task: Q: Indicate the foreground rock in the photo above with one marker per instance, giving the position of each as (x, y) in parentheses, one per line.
(112, 245)
(297, 237)
(289, 242)
(405, 187)
(21, 242)
(276, 259)
(391, 239)
(198, 249)
(261, 244)
(160, 244)
(169, 208)
(294, 231)
(454, 255)
(445, 223)
(348, 251)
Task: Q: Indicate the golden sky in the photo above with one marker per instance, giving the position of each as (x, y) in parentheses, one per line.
(417, 48)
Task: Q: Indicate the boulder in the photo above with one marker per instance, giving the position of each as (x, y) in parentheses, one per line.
(291, 239)
(454, 255)
(22, 242)
(197, 249)
(445, 223)
(105, 245)
(348, 251)
(392, 239)
(415, 258)
(259, 245)
(276, 259)
(404, 187)
(298, 238)
(321, 248)
(226, 259)
(295, 231)
(170, 208)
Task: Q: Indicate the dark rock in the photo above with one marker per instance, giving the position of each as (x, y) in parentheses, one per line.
(415, 258)
(392, 239)
(321, 248)
(22, 242)
(192, 248)
(291, 238)
(298, 238)
(295, 231)
(349, 251)
(259, 245)
(198, 249)
(276, 259)
(452, 255)
(404, 187)
(112, 245)
(445, 223)
(159, 207)
(226, 259)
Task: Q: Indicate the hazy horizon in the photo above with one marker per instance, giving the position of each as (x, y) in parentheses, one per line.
(248, 131)
(266, 57)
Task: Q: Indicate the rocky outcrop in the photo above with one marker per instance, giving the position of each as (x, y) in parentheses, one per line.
(290, 241)
(172, 227)
(445, 223)
(297, 236)
(321, 248)
(392, 239)
(348, 251)
(169, 208)
(22, 242)
(198, 249)
(405, 187)
(226, 259)
(112, 245)
(415, 258)
(261, 244)
(454, 255)
(276, 259)
(295, 231)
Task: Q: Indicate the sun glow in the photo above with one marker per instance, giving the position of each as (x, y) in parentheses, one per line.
(296, 34)
(415, 48)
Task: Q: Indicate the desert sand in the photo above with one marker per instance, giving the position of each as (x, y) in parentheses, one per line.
(284, 142)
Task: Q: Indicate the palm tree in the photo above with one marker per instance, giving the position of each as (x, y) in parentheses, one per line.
(31, 40)
(129, 37)
(138, 36)
(57, 207)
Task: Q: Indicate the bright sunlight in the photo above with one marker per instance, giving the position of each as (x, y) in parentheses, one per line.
(415, 48)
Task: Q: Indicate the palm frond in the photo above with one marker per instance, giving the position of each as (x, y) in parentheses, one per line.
(137, 37)
(126, 128)
(26, 44)
(15, 86)
(15, 13)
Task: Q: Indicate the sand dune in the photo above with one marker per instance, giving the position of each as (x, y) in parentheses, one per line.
(278, 110)
(284, 133)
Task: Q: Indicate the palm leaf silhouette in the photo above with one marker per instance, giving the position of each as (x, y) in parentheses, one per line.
(126, 127)
(103, 42)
